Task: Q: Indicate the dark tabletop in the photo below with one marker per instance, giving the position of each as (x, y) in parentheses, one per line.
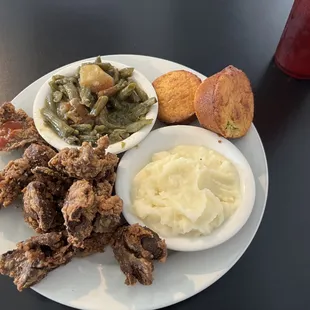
(37, 36)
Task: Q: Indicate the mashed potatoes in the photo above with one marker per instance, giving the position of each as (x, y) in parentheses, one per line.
(187, 190)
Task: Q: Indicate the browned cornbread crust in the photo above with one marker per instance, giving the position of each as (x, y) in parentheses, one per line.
(176, 92)
(224, 103)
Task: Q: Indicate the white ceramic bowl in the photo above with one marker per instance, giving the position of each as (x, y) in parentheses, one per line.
(53, 139)
(167, 138)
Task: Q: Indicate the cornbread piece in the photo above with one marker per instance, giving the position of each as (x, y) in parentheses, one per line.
(40, 209)
(135, 248)
(79, 210)
(176, 91)
(17, 129)
(224, 103)
(86, 162)
(35, 257)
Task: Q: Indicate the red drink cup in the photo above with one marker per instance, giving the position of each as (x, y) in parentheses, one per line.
(293, 52)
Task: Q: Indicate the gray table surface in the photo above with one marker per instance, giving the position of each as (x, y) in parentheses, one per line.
(39, 36)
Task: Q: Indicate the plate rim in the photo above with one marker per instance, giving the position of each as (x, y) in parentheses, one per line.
(220, 273)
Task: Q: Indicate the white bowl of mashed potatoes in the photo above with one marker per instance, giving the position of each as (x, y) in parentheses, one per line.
(194, 189)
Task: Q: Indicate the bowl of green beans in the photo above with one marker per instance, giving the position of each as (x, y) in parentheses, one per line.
(91, 98)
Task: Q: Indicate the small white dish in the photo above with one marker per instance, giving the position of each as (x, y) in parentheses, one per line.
(166, 138)
(53, 139)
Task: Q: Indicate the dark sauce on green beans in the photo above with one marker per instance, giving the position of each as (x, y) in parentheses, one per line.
(77, 113)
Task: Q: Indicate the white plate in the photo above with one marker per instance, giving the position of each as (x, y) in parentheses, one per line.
(95, 282)
(166, 138)
(50, 135)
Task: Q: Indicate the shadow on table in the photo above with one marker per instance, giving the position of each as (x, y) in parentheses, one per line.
(278, 98)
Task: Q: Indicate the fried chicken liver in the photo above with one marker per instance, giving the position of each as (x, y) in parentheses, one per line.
(40, 209)
(108, 217)
(87, 213)
(17, 174)
(135, 248)
(56, 183)
(79, 211)
(38, 155)
(85, 162)
(95, 243)
(13, 178)
(17, 129)
(31, 261)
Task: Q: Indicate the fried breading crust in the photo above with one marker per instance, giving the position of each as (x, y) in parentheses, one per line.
(79, 211)
(17, 174)
(135, 248)
(34, 258)
(40, 209)
(21, 137)
(86, 162)
(13, 178)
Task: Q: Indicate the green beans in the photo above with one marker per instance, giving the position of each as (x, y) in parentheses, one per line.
(66, 80)
(126, 92)
(52, 85)
(71, 90)
(126, 72)
(73, 140)
(57, 77)
(105, 66)
(114, 89)
(101, 129)
(99, 105)
(141, 110)
(118, 135)
(63, 90)
(102, 119)
(83, 128)
(77, 112)
(49, 103)
(134, 97)
(61, 128)
(119, 118)
(136, 126)
(114, 104)
(88, 138)
(86, 96)
(141, 93)
(98, 60)
(122, 106)
(57, 96)
(115, 74)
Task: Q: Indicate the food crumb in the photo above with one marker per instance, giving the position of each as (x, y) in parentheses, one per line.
(137, 146)
(123, 144)
(219, 141)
